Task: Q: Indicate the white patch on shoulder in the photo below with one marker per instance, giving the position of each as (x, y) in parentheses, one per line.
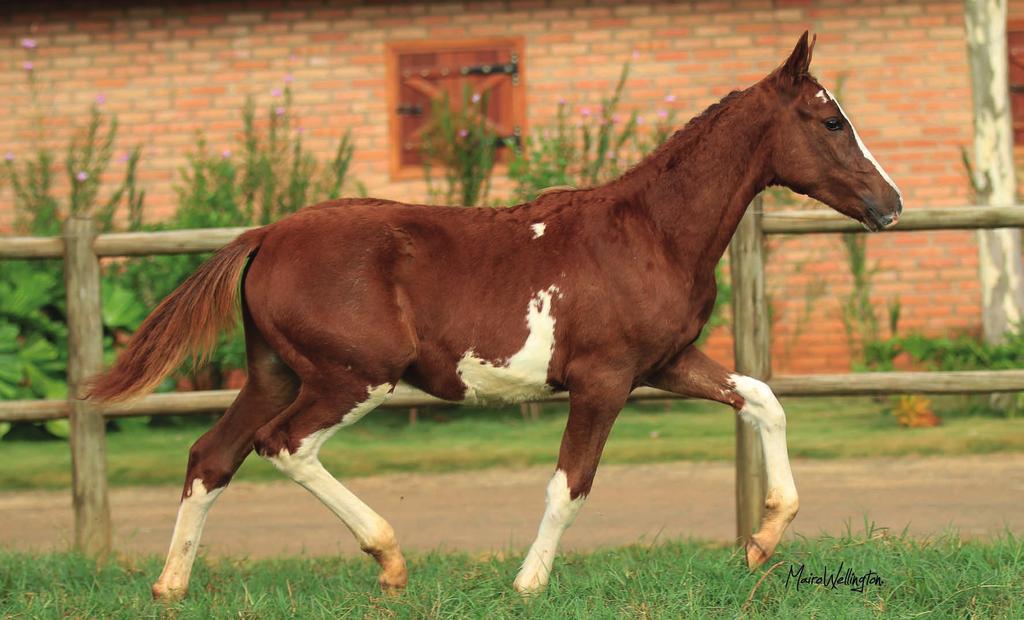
(538, 229)
(864, 148)
(821, 94)
(524, 375)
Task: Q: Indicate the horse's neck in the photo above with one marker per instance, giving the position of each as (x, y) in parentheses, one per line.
(697, 187)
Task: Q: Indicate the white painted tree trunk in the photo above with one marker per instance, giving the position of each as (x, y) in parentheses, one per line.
(999, 251)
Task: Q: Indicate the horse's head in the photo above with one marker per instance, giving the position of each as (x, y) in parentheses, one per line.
(816, 151)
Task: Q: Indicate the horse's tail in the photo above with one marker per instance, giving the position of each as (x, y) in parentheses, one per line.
(187, 320)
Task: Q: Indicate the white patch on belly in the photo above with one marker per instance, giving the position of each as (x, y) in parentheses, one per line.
(538, 230)
(524, 375)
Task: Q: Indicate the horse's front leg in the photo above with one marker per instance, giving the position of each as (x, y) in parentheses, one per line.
(594, 403)
(694, 374)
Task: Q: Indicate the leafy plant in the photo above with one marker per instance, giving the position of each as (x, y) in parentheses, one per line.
(33, 336)
(914, 411)
(273, 175)
(277, 175)
(462, 143)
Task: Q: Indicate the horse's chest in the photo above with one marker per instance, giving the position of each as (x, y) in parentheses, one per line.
(524, 375)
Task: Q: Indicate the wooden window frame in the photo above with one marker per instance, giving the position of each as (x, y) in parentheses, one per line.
(1015, 27)
(394, 49)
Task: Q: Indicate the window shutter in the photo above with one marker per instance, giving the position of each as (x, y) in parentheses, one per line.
(425, 71)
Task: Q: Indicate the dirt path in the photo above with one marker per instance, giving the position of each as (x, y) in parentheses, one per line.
(499, 509)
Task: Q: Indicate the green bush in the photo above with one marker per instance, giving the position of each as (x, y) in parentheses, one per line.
(461, 142)
(33, 333)
(590, 150)
(274, 175)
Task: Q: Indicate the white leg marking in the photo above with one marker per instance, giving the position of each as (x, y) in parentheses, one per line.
(185, 541)
(524, 375)
(538, 229)
(304, 467)
(558, 516)
(864, 148)
(763, 410)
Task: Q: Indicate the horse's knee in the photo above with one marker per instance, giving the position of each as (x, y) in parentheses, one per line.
(761, 407)
(209, 463)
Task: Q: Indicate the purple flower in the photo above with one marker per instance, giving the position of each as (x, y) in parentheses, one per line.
(276, 92)
(289, 78)
(615, 119)
(585, 112)
(662, 114)
(300, 130)
(101, 99)
(463, 133)
(636, 54)
(639, 120)
(29, 44)
(82, 176)
(226, 153)
(124, 157)
(612, 156)
(27, 65)
(475, 98)
(561, 101)
(9, 156)
(670, 98)
(279, 110)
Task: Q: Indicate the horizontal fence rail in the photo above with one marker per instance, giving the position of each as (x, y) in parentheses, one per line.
(773, 223)
(954, 218)
(405, 396)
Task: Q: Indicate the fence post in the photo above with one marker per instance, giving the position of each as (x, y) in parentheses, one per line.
(752, 347)
(85, 358)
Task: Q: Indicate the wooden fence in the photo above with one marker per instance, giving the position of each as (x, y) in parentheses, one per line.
(81, 248)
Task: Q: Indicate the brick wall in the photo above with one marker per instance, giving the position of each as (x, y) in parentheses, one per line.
(170, 72)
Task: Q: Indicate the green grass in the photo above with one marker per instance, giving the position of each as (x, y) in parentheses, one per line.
(940, 578)
(459, 439)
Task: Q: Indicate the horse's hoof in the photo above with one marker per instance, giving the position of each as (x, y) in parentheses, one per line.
(529, 588)
(393, 582)
(167, 594)
(757, 554)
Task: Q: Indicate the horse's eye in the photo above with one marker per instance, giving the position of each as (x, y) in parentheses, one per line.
(833, 124)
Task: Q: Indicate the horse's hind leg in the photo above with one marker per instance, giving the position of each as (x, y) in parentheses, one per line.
(215, 458)
(292, 443)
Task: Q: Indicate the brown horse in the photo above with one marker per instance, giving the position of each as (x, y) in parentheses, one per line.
(593, 291)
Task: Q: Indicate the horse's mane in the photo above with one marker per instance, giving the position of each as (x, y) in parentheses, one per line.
(677, 144)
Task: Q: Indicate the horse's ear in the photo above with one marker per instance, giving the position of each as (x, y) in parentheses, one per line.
(798, 65)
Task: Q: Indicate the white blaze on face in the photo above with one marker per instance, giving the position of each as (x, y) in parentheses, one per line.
(821, 95)
(864, 148)
(524, 375)
(559, 513)
(538, 230)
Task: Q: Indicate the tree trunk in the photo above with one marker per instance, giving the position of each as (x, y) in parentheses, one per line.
(999, 251)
